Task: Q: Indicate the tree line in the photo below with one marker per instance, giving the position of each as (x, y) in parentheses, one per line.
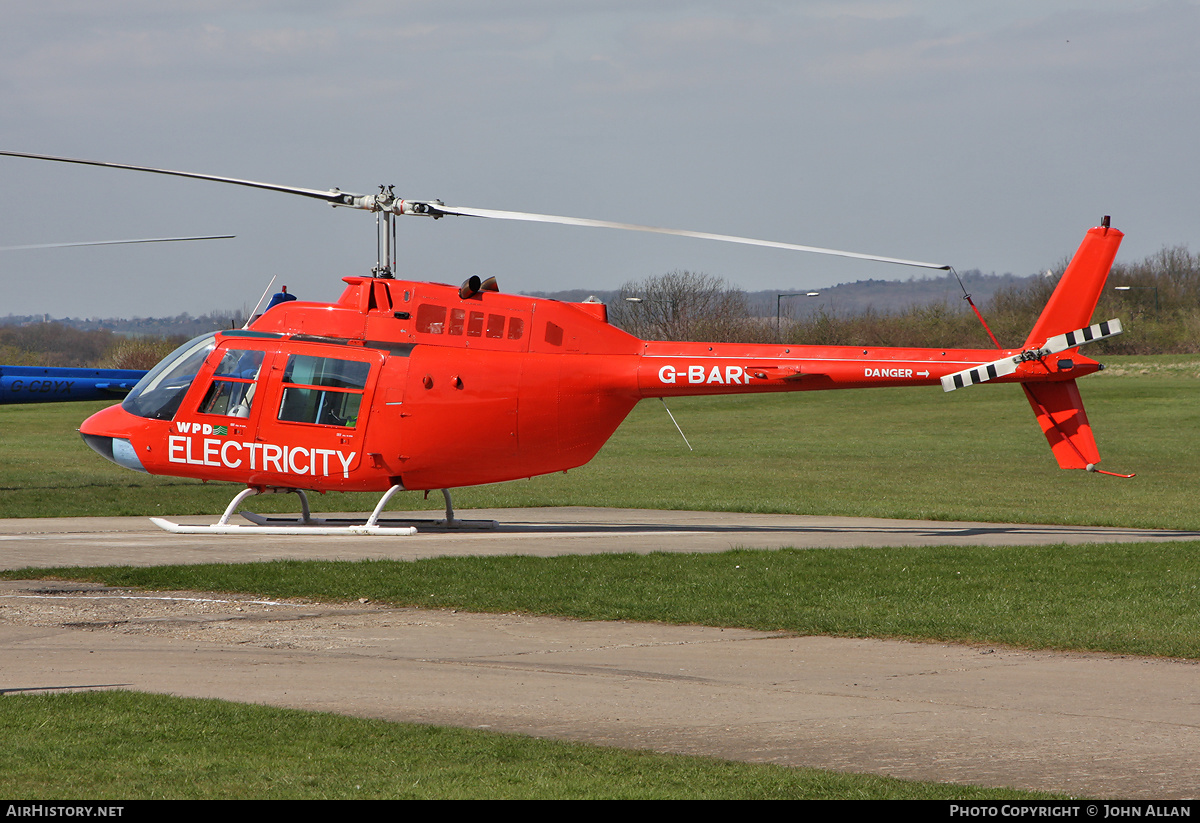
(115, 343)
(57, 344)
(1159, 306)
(1160, 309)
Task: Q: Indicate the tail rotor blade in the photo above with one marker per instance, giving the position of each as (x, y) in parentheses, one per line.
(1094, 332)
(979, 374)
(1008, 365)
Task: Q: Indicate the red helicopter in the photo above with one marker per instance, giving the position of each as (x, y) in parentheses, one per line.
(375, 391)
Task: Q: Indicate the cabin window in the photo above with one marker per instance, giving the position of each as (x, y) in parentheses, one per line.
(431, 318)
(232, 390)
(495, 326)
(475, 324)
(516, 328)
(554, 334)
(458, 319)
(323, 390)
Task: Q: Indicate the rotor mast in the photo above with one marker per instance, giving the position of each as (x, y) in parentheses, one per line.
(385, 245)
(387, 207)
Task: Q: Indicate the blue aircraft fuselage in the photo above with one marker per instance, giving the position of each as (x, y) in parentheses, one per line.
(38, 384)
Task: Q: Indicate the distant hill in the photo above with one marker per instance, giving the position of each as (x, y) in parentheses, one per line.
(847, 299)
(577, 295)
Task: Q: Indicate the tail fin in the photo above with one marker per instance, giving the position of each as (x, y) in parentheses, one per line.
(1058, 406)
(1074, 300)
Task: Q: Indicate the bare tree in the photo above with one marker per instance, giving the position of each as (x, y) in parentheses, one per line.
(685, 305)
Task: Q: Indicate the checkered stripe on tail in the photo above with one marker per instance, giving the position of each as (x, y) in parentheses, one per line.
(979, 374)
(1097, 331)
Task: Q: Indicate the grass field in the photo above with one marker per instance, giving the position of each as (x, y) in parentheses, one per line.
(122, 745)
(975, 454)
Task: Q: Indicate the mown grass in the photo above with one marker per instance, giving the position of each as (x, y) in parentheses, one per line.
(1124, 599)
(975, 454)
(137, 746)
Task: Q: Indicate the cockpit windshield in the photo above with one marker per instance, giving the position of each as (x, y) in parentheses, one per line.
(159, 393)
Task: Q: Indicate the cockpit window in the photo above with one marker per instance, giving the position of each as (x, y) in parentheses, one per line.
(243, 363)
(232, 390)
(158, 394)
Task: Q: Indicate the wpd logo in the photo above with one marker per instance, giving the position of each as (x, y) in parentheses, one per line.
(201, 428)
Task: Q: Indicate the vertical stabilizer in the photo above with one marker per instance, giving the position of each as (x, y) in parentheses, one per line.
(1059, 410)
(1074, 300)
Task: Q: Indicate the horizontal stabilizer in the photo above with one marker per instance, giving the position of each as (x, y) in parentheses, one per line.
(1008, 365)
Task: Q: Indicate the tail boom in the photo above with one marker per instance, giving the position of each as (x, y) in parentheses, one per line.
(676, 369)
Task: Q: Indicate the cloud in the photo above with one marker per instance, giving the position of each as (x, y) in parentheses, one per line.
(901, 127)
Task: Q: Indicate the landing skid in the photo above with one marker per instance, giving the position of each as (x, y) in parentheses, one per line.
(307, 524)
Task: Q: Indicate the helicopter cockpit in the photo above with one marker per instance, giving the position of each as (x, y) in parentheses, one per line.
(157, 395)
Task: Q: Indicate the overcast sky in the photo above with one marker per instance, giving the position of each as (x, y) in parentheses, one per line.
(985, 135)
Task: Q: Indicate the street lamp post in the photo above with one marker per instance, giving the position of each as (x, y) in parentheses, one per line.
(779, 300)
(1127, 288)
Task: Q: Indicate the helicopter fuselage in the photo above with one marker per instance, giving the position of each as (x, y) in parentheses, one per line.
(412, 384)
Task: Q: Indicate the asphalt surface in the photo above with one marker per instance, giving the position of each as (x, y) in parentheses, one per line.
(101, 541)
(1083, 724)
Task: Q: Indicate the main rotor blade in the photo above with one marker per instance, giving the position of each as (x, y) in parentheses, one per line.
(119, 242)
(330, 196)
(431, 208)
(726, 238)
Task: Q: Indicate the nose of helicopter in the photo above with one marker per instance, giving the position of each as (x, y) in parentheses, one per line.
(104, 431)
